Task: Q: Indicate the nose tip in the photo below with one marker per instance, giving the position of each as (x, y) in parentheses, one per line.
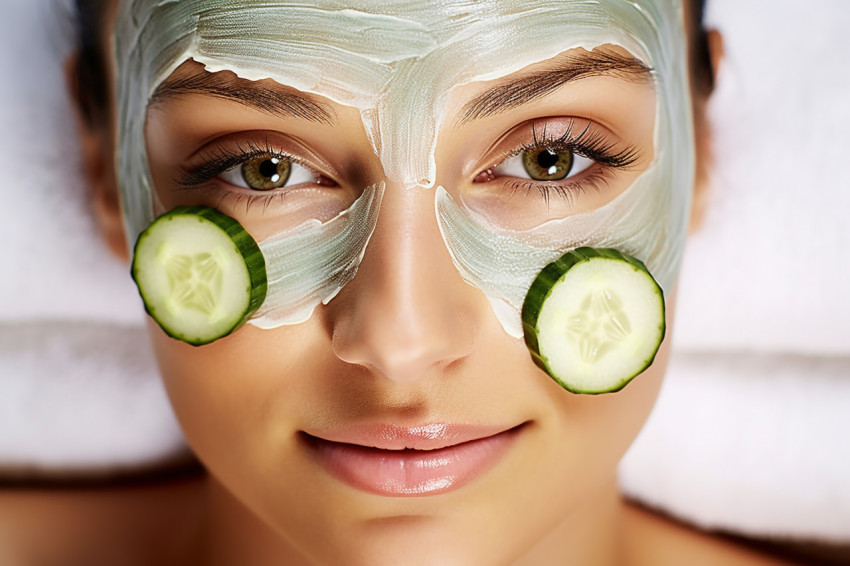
(389, 345)
(407, 314)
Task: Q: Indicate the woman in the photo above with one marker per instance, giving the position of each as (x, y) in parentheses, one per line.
(310, 427)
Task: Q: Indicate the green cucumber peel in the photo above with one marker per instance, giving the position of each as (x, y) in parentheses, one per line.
(199, 272)
(594, 319)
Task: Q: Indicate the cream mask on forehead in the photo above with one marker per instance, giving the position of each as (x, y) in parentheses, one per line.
(397, 63)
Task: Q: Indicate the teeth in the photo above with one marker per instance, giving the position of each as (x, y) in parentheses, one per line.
(408, 448)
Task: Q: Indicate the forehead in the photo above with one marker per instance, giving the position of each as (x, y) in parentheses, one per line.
(387, 37)
(397, 64)
(355, 55)
(394, 61)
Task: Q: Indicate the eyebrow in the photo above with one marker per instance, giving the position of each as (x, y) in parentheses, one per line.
(530, 87)
(254, 94)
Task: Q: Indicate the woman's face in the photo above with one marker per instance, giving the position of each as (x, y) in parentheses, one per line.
(400, 418)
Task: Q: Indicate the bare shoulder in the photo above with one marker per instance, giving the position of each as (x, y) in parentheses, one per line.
(145, 523)
(654, 540)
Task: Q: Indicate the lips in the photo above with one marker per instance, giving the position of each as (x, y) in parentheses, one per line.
(393, 460)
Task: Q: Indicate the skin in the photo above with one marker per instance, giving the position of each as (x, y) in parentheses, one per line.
(387, 349)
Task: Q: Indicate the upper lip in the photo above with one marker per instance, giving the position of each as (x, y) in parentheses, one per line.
(430, 436)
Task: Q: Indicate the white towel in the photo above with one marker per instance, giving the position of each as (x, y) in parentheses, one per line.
(747, 435)
(78, 385)
(769, 269)
(749, 443)
(752, 431)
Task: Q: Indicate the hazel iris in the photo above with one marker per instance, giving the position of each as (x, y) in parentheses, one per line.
(544, 164)
(266, 172)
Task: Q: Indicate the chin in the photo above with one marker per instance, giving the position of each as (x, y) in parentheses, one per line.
(420, 540)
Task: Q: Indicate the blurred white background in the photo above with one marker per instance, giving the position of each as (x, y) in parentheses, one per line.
(750, 433)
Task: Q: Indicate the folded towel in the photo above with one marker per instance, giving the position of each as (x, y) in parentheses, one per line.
(78, 385)
(749, 443)
(768, 270)
(81, 398)
(747, 435)
(750, 432)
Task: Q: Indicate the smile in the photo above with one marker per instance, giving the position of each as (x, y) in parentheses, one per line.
(416, 461)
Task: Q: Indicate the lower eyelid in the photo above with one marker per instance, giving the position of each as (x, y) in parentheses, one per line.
(235, 201)
(545, 192)
(569, 190)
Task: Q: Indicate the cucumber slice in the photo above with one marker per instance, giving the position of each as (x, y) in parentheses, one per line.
(594, 319)
(200, 274)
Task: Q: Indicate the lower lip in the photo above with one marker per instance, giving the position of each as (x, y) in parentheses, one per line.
(411, 472)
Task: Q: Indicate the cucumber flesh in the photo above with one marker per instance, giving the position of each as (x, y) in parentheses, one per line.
(594, 319)
(199, 273)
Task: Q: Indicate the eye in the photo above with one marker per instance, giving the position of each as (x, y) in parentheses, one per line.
(267, 172)
(542, 164)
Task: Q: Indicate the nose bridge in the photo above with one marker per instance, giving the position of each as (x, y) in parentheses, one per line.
(407, 311)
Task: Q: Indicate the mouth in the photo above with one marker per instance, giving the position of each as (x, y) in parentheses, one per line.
(398, 461)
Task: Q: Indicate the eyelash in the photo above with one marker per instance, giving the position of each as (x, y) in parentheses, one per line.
(218, 159)
(588, 143)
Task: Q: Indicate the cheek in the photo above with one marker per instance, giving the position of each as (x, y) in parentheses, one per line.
(242, 399)
(605, 425)
(234, 398)
(588, 434)
(225, 393)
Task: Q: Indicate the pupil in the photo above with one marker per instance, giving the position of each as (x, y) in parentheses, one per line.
(547, 158)
(268, 168)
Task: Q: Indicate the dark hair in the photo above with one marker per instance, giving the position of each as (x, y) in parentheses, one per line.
(92, 90)
(702, 71)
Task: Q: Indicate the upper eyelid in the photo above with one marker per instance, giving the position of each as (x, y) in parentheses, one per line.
(260, 141)
(591, 142)
(218, 159)
(236, 151)
(253, 150)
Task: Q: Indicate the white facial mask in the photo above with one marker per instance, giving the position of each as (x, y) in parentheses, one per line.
(504, 263)
(397, 62)
(311, 263)
(648, 220)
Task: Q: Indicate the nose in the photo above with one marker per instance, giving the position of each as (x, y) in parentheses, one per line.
(407, 314)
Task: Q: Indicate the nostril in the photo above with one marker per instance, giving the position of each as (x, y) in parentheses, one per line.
(407, 313)
(401, 351)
